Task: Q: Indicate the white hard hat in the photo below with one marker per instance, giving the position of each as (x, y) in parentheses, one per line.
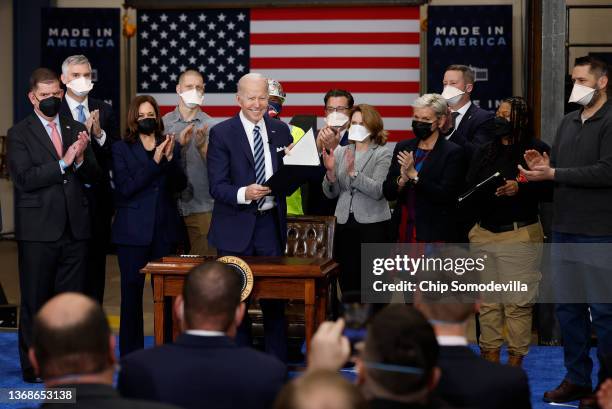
(275, 89)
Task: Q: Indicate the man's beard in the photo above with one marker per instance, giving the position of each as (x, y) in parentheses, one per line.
(596, 97)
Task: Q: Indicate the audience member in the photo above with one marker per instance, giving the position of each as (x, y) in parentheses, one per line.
(581, 168)
(509, 230)
(320, 389)
(397, 366)
(65, 358)
(248, 218)
(191, 125)
(49, 160)
(101, 123)
(147, 177)
(425, 178)
(204, 367)
(355, 175)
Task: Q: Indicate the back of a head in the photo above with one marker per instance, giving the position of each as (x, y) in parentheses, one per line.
(211, 295)
(320, 389)
(71, 336)
(401, 350)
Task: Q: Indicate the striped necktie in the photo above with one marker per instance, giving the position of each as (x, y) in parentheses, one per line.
(260, 162)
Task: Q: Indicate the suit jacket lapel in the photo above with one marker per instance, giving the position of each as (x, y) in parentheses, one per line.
(366, 157)
(67, 130)
(272, 146)
(242, 139)
(41, 134)
(433, 155)
(139, 152)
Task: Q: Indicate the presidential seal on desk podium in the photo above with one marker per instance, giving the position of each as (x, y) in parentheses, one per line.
(246, 274)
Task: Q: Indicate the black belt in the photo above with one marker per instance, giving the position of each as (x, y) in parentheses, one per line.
(508, 227)
(264, 212)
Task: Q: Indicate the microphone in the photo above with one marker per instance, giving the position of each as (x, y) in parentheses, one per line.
(464, 196)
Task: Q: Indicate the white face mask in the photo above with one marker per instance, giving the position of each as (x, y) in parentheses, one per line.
(192, 98)
(452, 95)
(581, 95)
(358, 133)
(80, 86)
(336, 119)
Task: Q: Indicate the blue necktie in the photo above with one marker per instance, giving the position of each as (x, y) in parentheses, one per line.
(260, 162)
(81, 118)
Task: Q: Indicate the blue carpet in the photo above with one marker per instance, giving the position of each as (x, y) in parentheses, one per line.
(544, 367)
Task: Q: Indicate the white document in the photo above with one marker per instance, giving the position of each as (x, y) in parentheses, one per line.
(304, 152)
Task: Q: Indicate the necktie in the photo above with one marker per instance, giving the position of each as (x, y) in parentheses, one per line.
(56, 138)
(454, 116)
(260, 162)
(81, 118)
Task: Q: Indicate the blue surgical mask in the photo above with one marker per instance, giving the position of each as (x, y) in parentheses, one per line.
(274, 109)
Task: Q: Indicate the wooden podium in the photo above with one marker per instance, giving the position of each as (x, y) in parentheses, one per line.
(285, 278)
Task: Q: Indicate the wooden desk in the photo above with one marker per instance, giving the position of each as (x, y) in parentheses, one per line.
(285, 278)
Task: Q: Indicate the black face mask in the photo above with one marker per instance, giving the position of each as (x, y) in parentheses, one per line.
(422, 130)
(50, 106)
(147, 126)
(502, 128)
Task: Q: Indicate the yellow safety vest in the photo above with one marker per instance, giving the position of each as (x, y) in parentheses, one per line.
(294, 202)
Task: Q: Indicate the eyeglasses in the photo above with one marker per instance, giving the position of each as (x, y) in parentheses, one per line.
(329, 110)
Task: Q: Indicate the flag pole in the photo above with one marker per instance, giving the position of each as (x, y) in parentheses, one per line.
(129, 30)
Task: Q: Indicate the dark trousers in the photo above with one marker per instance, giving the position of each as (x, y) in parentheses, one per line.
(98, 246)
(131, 260)
(265, 242)
(349, 238)
(45, 270)
(576, 323)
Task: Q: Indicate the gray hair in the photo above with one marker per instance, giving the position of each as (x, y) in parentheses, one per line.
(433, 101)
(251, 76)
(74, 60)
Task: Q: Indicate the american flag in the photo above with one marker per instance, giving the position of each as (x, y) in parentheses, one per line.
(373, 52)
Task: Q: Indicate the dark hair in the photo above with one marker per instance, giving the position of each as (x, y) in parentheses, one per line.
(131, 133)
(44, 76)
(468, 73)
(339, 93)
(211, 293)
(400, 335)
(80, 348)
(373, 121)
(292, 394)
(597, 66)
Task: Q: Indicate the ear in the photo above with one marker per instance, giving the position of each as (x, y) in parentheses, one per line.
(34, 361)
(469, 88)
(179, 310)
(239, 314)
(112, 343)
(178, 89)
(61, 93)
(603, 82)
(64, 79)
(32, 98)
(434, 379)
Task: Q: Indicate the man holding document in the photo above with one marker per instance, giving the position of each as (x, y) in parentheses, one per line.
(249, 218)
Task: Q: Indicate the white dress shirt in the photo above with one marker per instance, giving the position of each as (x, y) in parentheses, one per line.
(204, 333)
(248, 128)
(45, 125)
(451, 340)
(461, 112)
(73, 104)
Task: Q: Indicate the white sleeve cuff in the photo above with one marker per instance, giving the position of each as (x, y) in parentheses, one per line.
(241, 196)
(102, 138)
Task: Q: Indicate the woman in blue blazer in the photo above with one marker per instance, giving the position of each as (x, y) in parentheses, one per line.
(147, 175)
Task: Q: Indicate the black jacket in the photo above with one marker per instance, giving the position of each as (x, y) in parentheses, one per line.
(45, 199)
(203, 372)
(475, 129)
(470, 381)
(440, 181)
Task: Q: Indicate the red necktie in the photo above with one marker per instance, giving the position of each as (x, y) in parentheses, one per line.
(56, 138)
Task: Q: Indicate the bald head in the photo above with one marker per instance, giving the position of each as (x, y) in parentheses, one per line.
(252, 79)
(58, 340)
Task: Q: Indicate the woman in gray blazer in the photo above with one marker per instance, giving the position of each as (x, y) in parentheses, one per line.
(355, 174)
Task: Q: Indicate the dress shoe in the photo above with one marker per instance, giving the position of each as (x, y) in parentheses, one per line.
(515, 360)
(491, 355)
(30, 377)
(567, 392)
(590, 402)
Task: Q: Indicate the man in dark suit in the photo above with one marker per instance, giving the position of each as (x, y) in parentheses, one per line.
(468, 125)
(488, 385)
(67, 359)
(204, 367)
(247, 220)
(101, 123)
(49, 161)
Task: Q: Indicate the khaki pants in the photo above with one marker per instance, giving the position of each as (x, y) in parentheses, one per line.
(513, 255)
(197, 229)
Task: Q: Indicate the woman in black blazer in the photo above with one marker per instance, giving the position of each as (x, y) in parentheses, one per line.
(147, 175)
(425, 178)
